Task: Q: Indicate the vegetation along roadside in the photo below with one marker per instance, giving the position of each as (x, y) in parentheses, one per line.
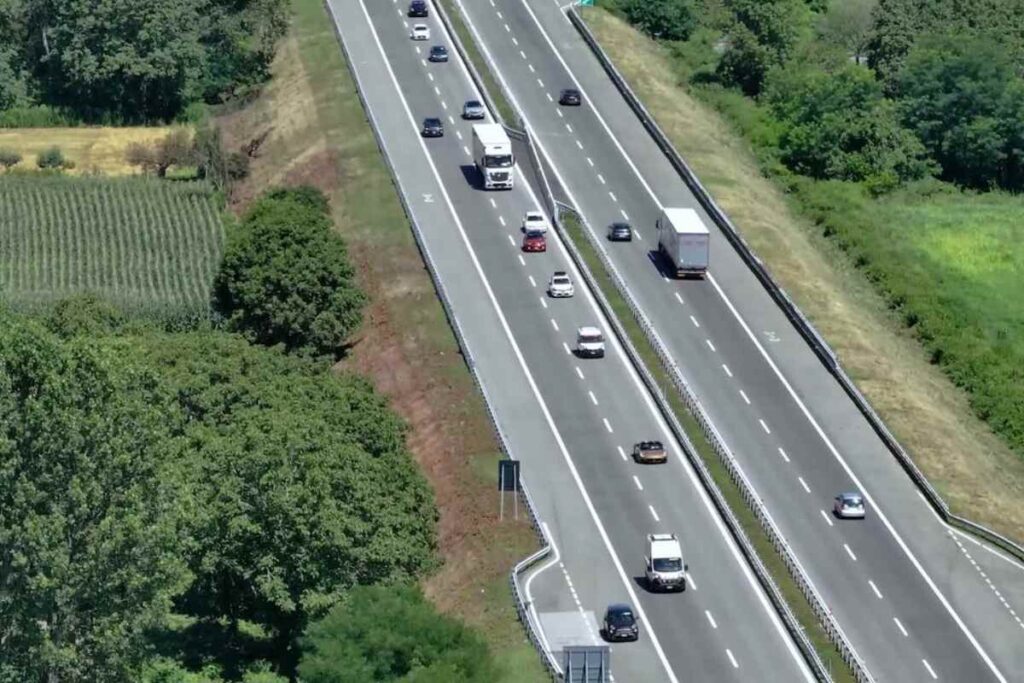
(909, 262)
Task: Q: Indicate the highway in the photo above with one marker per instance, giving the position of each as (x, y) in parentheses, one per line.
(569, 421)
(918, 600)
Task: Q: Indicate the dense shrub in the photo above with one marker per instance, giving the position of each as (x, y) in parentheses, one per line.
(51, 158)
(286, 278)
(9, 158)
(391, 633)
(666, 19)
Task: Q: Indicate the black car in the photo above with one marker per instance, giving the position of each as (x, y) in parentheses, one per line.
(418, 8)
(433, 128)
(620, 232)
(620, 623)
(570, 97)
(438, 53)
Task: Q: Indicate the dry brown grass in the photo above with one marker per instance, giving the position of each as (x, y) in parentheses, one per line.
(93, 149)
(977, 473)
(319, 136)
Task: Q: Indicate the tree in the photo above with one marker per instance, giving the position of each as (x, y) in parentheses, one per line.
(837, 125)
(777, 25)
(286, 279)
(88, 522)
(391, 633)
(745, 62)
(662, 19)
(848, 24)
(954, 91)
(302, 482)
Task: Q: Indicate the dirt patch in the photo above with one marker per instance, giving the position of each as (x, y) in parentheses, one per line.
(978, 474)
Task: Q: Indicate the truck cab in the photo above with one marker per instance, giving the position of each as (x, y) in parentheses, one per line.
(664, 559)
(492, 154)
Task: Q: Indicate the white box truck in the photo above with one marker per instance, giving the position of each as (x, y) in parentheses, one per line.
(684, 241)
(492, 152)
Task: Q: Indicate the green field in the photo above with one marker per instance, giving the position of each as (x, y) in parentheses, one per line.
(149, 246)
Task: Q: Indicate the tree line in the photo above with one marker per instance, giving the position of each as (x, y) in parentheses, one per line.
(875, 91)
(133, 60)
(215, 503)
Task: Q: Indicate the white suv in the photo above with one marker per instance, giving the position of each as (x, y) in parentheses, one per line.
(560, 285)
(420, 32)
(535, 220)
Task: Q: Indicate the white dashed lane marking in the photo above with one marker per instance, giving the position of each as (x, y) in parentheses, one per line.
(732, 659)
(825, 515)
(900, 627)
(724, 366)
(622, 452)
(653, 513)
(764, 426)
(637, 482)
(578, 371)
(607, 424)
(593, 399)
(875, 589)
(988, 581)
(554, 324)
(711, 619)
(930, 669)
(680, 300)
(710, 345)
(783, 454)
(852, 556)
(744, 395)
(694, 321)
(804, 484)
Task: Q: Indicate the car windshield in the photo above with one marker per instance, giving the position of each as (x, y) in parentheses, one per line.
(621, 618)
(534, 234)
(852, 502)
(473, 104)
(590, 338)
(664, 564)
(651, 446)
(560, 281)
(438, 49)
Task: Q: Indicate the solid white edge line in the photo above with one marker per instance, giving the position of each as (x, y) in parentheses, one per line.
(626, 581)
(863, 490)
(741, 562)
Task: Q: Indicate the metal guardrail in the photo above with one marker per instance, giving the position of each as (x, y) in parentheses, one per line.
(522, 606)
(796, 317)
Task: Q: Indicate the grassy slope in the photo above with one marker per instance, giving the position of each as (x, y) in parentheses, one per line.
(979, 475)
(93, 149)
(319, 136)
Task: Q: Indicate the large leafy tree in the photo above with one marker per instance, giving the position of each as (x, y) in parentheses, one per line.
(764, 36)
(837, 125)
(303, 484)
(383, 633)
(89, 547)
(958, 94)
(286, 278)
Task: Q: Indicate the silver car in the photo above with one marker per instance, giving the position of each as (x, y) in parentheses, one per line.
(473, 109)
(849, 506)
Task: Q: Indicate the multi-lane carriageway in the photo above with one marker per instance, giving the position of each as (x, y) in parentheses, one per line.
(570, 421)
(918, 600)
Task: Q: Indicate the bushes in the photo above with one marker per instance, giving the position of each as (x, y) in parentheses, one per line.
(391, 633)
(666, 19)
(286, 279)
(9, 158)
(53, 159)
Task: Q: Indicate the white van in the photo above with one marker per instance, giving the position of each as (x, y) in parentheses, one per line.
(589, 343)
(665, 567)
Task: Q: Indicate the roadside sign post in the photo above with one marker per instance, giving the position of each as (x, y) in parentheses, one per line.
(508, 480)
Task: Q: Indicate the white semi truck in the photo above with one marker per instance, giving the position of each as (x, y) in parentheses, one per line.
(492, 152)
(684, 241)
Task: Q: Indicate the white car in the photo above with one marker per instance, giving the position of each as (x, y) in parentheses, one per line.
(849, 506)
(560, 285)
(420, 32)
(535, 220)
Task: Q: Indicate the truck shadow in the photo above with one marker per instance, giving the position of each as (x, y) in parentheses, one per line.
(472, 176)
(661, 264)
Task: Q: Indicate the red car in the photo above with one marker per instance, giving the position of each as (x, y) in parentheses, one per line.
(534, 241)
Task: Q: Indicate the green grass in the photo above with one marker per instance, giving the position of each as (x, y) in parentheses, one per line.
(148, 246)
(841, 673)
(495, 91)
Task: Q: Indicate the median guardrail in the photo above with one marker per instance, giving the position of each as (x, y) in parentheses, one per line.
(806, 329)
(521, 603)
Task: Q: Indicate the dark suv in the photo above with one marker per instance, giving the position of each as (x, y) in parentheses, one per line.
(418, 8)
(620, 623)
(433, 128)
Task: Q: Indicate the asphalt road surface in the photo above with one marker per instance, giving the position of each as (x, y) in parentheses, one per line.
(918, 600)
(570, 421)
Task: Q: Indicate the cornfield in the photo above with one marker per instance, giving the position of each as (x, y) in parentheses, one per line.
(149, 246)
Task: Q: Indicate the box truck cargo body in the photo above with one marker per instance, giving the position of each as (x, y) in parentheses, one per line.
(492, 152)
(684, 241)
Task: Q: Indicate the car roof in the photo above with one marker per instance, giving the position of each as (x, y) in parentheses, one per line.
(651, 444)
(570, 90)
(473, 103)
(439, 48)
(534, 214)
(417, 27)
(851, 496)
(619, 225)
(620, 607)
(588, 331)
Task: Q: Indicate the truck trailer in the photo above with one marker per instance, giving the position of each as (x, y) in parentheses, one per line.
(492, 153)
(684, 241)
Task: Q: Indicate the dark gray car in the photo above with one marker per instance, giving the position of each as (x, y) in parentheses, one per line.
(438, 53)
(620, 623)
(620, 232)
(433, 128)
